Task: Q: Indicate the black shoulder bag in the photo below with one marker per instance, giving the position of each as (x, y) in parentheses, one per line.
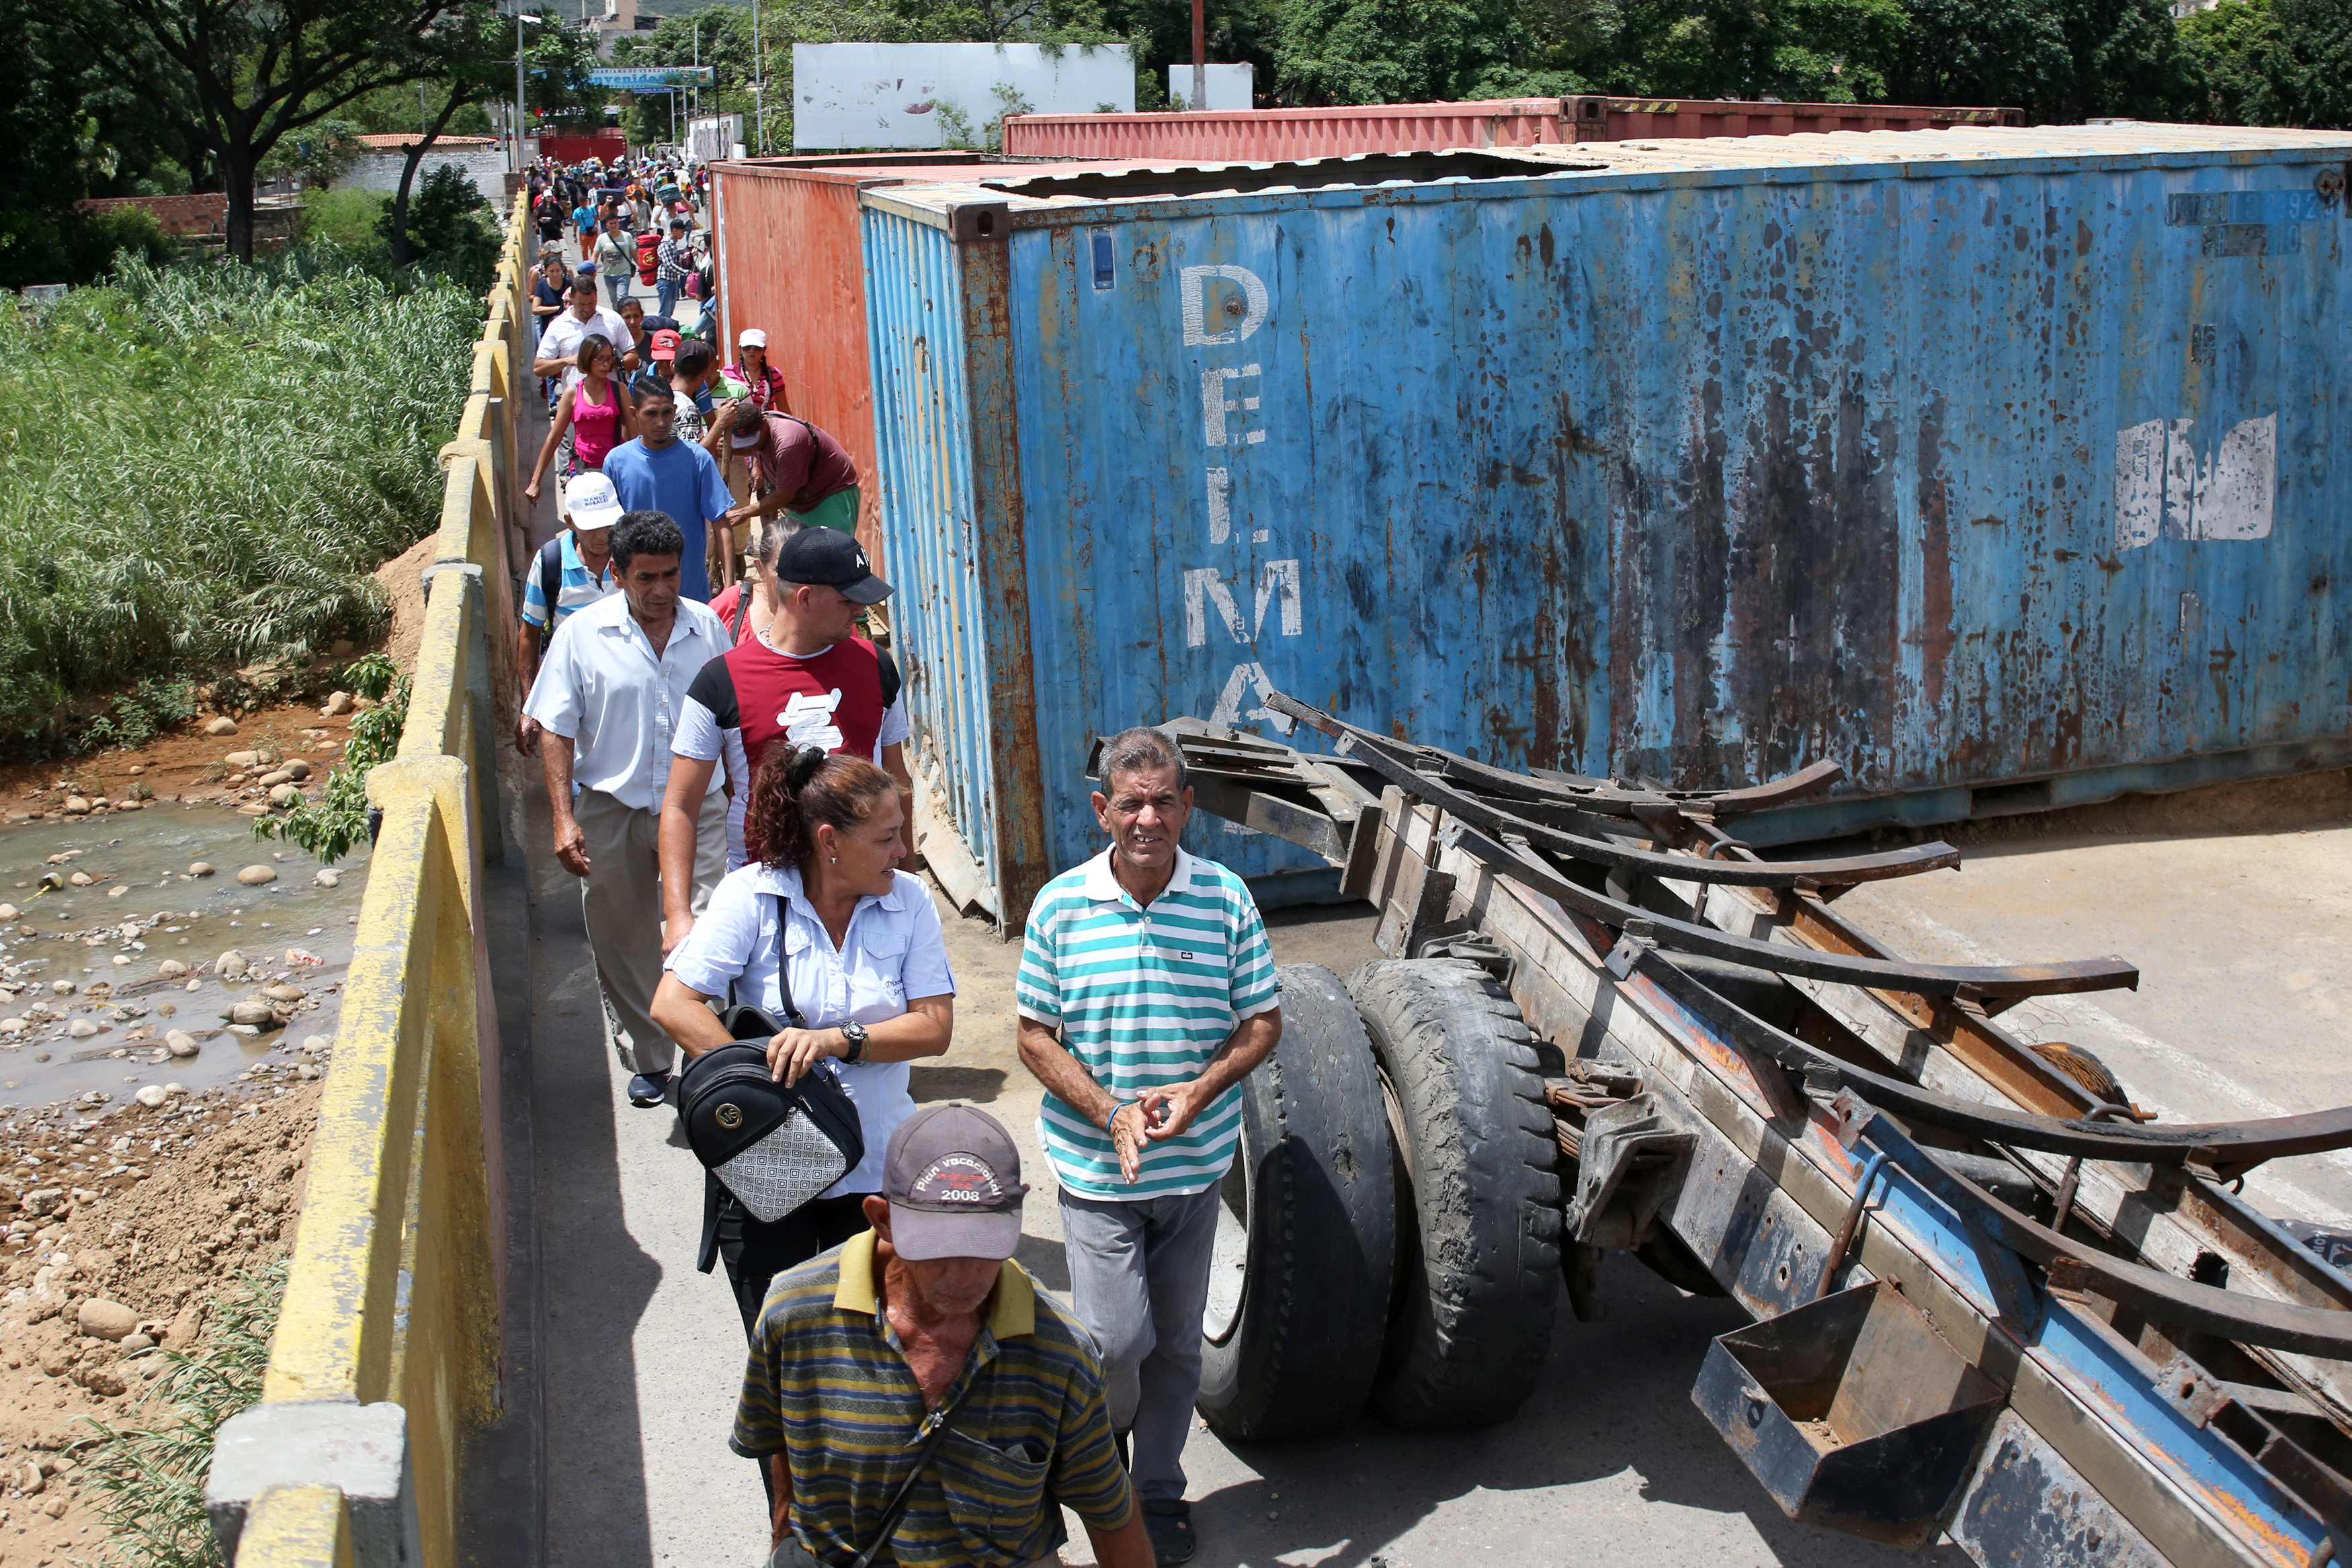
(773, 1147)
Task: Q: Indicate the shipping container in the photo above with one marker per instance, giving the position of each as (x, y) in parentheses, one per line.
(604, 146)
(790, 261)
(1270, 133)
(2000, 467)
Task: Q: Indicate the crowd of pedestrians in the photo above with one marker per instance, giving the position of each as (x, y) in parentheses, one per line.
(722, 738)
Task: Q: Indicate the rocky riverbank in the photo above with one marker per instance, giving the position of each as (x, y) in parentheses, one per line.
(125, 1221)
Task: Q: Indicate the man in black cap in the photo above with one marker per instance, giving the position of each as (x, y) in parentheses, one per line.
(807, 678)
(921, 1350)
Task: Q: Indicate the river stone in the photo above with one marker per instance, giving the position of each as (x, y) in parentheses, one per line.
(244, 1030)
(282, 992)
(81, 1028)
(221, 725)
(170, 969)
(274, 778)
(328, 876)
(230, 965)
(338, 704)
(122, 960)
(62, 987)
(241, 758)
(14, 1026)
(180, 1042)
(195, 985)
(283, 795)
(77, 807)
(106, 1320)
(151, 1096)
(8, 911)
(118, 890)
(200, 868)
(257, 875)
(297, 769)
(251, 1012)
(81, 879)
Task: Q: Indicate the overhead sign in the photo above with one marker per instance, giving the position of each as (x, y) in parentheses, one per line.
(652, 79)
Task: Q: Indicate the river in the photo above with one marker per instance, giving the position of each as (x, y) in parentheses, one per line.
(110, 940)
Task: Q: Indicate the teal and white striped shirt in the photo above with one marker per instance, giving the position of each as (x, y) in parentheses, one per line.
(1143, 997)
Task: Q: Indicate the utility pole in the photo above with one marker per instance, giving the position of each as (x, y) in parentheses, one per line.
(521, 124)
(1200, 57)
(697, 69)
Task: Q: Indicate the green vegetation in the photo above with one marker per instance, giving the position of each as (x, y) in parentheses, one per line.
(151, 1475)
(328, 826)
(209, 461)
(346, 219)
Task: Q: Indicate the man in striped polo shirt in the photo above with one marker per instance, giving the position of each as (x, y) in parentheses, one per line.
(911, 1393)
(1146, 993)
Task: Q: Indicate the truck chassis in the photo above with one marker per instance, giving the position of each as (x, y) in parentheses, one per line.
(1995, 1301)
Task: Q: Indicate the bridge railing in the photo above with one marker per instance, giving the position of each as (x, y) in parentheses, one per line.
(387, 1349)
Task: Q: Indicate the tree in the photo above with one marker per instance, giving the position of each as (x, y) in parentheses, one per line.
(2274, 62)
(238, 77)
(447, 229)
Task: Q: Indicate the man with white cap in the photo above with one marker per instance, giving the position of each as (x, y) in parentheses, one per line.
(919, 1349)
(574, 569)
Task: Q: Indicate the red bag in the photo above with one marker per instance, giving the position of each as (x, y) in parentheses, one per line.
(648, 258)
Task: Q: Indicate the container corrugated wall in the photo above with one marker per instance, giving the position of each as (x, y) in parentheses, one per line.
(1261, 134)
(2008, 464)
(791, 259)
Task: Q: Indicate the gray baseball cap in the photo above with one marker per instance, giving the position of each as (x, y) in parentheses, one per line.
(953, 1178)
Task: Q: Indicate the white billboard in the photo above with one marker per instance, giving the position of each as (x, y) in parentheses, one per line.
(711, 136)
(1226, 87)
(933, 95)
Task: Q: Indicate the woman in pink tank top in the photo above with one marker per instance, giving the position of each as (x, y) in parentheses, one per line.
(594, 412)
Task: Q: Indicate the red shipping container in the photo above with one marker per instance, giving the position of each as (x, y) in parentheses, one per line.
(790, 258)
(1269, 134)
(605, 145)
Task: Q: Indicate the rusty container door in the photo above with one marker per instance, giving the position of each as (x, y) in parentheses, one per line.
(1997, 465)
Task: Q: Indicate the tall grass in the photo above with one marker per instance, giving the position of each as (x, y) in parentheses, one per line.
(150, 1475)
(206, 463)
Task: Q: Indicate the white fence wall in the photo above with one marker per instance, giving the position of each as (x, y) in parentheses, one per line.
(889, 95)
(486, 166)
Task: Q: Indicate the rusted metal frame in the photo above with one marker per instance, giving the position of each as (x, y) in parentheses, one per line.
(1594, 794)
(1780, 957)
(984, 272)
(1966, 1032)
(1393, 762)
(1562, 953)
(2131, 1143)
(2180, 1304)
(1310, 828)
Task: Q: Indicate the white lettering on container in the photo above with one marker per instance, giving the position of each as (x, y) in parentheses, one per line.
(1215, 405)
(1196, 323)
(1204, 586)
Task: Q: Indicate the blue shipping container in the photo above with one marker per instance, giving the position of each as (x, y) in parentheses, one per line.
(1999, 466)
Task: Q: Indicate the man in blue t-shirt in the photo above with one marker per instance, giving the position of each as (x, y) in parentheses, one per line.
(660, 473)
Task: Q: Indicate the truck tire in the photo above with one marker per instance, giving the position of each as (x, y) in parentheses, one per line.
(1478, 1276)
(1299, 1288)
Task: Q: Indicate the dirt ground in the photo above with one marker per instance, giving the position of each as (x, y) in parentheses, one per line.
(154, 1210)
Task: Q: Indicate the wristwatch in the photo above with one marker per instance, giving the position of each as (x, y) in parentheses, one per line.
(855, 1033)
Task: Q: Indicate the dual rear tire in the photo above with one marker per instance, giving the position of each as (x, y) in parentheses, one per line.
(1390, 1232)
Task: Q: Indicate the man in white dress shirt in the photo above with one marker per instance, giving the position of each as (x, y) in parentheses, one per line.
(607, 700)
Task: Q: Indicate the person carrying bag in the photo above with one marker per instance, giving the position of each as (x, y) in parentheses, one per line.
(843, 956)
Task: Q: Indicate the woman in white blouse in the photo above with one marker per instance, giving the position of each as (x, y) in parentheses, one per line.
(868, 968)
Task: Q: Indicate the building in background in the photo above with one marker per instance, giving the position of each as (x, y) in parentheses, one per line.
(946, 95)
(482, 160)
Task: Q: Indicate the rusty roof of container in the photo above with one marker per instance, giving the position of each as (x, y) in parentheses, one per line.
(1032, 194)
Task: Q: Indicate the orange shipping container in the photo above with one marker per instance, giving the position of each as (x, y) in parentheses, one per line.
(790, 261)
(1263, 134)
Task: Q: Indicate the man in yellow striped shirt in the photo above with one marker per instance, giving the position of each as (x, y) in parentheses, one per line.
(914, 1384)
